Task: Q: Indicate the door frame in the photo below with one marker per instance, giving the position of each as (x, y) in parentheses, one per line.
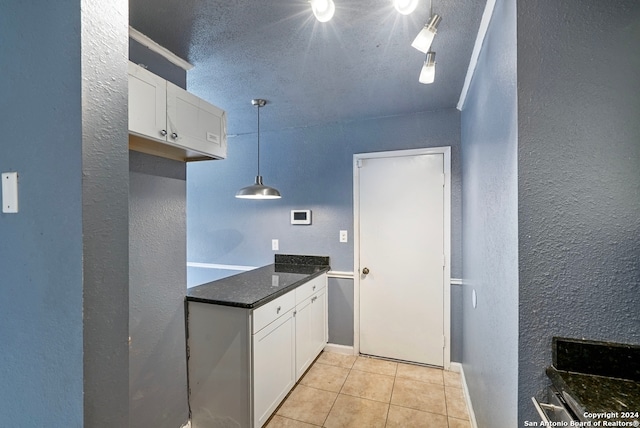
(446, 152)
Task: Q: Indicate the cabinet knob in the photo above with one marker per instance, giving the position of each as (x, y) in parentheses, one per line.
(278, 309)
(174, 135)
(365, 271)
(314, 288)
(163, 132)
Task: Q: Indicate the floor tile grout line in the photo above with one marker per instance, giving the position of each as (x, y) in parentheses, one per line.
(336, 399)
(386, 420)
(395, 378)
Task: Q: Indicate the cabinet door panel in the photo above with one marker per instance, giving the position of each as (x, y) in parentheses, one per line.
(311, 330)
(196, 124)
(318, 331)
(304, 339)
(273, 366)
(147, 103)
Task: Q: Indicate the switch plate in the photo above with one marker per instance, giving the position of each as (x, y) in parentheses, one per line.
(9, 192)
(344, 236)
(275, 245)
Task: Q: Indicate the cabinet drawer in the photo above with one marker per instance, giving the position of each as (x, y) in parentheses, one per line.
(273, 310)
(310, 287)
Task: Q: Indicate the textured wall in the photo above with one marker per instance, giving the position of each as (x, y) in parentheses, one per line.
(579, 185)
(312, 168)
(157, 227)
(63, 257)
(490, 226)
(105, 185)
(157, 245)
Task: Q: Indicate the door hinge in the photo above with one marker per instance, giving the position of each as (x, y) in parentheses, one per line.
(444, 341)
(444, 260)
(442, 179)
(359, 163)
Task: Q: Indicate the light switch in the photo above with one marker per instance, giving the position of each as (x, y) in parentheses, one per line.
(9, 192)
(344, 236)
(274, 245)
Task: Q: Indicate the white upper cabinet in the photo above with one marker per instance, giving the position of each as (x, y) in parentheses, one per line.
(165, 120)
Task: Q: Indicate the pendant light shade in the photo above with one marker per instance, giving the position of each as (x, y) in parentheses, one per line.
(423, 40)
(428, 72)
(258, 190)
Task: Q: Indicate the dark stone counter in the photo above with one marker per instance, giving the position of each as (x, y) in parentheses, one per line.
(256, 287)
(597, 378)
(597, 394)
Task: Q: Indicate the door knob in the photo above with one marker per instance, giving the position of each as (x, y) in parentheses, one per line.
(365, 271)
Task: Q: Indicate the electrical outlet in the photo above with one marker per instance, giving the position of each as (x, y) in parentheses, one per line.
(275, 245)
(344, 237)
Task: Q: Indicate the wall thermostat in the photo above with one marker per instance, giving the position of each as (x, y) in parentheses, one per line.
(300, 216)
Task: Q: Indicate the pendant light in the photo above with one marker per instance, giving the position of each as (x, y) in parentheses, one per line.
(258, 190)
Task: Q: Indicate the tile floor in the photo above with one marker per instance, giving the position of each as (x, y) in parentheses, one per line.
(349, 391)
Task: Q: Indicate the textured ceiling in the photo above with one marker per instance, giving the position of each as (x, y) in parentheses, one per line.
(360, 65)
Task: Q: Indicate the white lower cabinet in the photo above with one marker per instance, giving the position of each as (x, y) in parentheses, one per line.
(274, 357)
(311, 330)
(243, 363)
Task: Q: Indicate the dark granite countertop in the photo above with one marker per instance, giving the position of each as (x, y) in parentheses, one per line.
(597, 394)
(597, 378)
(256, 287)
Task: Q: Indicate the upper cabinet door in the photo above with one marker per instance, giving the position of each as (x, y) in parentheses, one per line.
(195, 124)
(147, 103)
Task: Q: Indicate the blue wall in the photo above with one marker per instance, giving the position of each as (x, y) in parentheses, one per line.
(490, 225)
(41, 246)
(579, 179)
(63, 257)
(312, 168)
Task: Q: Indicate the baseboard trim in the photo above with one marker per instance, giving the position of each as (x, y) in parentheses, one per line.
(457, 367)
(339, 349)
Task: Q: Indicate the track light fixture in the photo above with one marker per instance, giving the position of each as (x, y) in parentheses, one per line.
(423, 40)
(405, 7)
(323, 9)
(428, 72)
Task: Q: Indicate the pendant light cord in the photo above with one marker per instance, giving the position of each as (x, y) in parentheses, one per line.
(258, 139)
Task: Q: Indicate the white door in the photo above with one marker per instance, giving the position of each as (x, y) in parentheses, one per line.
(400, 205)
